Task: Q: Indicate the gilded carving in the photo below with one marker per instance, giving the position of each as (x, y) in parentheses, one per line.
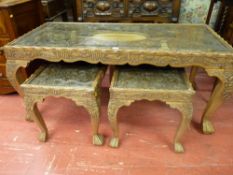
(116, 57)
(228, 84)
(73, 42)
(86, 95)
(121, 95)
(186, 109)
(226, 77)
(13, 76)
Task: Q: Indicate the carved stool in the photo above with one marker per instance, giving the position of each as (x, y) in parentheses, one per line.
(165, 84)
(79, 83)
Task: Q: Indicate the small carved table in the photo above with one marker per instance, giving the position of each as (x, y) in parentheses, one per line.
(177, 45)
(79, 83)
(168, 85)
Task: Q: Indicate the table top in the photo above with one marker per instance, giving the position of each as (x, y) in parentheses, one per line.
(168, 37)
(64, 75)
(150, 78)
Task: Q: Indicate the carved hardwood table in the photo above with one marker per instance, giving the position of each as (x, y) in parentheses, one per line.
(177, 45)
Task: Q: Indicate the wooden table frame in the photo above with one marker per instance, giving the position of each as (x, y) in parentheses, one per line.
(216, 64)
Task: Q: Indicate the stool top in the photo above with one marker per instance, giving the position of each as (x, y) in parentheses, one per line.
(147, 77)
(65, 75)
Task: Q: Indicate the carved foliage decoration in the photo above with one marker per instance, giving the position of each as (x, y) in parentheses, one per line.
(113, 8)
(139, 8)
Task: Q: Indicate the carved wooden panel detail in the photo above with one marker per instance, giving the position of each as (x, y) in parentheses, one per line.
(112, 8)
(138, 8)
(128, 10)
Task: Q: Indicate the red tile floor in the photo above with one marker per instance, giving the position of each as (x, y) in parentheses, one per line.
(147, 130)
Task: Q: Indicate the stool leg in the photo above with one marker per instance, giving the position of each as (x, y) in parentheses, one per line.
(40, 122)
(186, 110)
(192, 76)
(29, 109)
(93, 107)
(33, 112)
(112, 117)
(111, 70)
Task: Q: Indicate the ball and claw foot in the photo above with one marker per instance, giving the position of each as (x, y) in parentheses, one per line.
(207, 127)
(114, 142)
(43, 136)
(98, 139)
(178, 147)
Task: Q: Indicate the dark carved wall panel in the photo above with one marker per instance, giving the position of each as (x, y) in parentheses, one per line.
(128, 10)
(111, 8)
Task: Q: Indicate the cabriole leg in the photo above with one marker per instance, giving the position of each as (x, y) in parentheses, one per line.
(28, 102)
(34, 114)
(93, 109)
(112, 117)
(215, 101)
(186, 110)
(40, 122)
(193, 74)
